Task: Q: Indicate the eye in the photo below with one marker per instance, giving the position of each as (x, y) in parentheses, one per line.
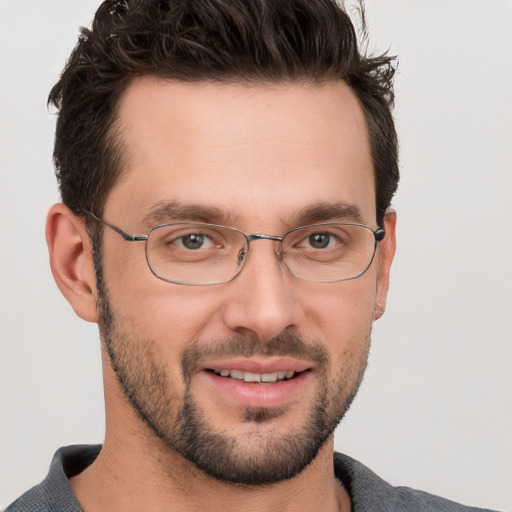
(328, 243)
(193, 241)
(319, 240)
(313, 240)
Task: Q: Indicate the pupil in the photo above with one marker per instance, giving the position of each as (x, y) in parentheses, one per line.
(193, 241)
(319, 240)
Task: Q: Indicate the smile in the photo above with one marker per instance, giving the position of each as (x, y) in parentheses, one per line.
(258, 382)
(256, 377)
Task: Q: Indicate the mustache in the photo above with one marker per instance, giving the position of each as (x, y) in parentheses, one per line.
(284, 344)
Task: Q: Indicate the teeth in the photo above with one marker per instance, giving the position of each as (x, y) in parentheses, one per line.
(256, 377)
(252, 377)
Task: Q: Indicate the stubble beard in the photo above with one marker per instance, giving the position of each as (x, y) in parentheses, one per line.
(257, 457)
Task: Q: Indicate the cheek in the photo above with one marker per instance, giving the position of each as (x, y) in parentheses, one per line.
(343, 316)
(342, 307)
(170, 315)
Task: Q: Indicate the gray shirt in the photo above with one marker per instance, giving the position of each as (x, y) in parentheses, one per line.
(368, 492)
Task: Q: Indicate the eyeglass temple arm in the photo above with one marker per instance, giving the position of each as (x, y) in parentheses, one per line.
(126, 236)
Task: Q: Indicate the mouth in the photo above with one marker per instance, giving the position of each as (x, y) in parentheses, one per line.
(256, 378)
(256, 382)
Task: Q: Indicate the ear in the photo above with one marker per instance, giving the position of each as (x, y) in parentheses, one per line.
(71, 260)
(386, 253)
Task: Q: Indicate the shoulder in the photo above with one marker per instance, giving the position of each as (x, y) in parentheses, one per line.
(370, 493)
(54, 493)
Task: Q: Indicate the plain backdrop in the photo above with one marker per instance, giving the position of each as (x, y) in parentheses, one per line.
(435, 410)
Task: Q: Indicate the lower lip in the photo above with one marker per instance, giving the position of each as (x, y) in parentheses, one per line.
(258, 395)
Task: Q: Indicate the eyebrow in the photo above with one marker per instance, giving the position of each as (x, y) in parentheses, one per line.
(323, 212)
(171, 211)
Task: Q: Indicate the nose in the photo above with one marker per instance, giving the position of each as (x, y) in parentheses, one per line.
(262, 300)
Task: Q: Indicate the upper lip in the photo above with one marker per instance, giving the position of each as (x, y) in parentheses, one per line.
(258, 364)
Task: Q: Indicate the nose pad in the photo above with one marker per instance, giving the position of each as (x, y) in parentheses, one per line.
(242, 254)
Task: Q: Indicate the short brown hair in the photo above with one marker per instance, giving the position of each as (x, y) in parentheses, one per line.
(252, 41)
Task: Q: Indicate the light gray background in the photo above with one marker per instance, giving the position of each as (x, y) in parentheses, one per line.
(435, 410)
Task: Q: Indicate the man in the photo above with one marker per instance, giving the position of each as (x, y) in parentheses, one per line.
(226, 173)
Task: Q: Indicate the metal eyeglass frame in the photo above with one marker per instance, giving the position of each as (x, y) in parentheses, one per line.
(378, 234)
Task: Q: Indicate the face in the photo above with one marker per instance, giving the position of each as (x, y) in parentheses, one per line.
(263, 160)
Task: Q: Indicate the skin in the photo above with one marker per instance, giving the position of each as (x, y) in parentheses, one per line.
(260, 155)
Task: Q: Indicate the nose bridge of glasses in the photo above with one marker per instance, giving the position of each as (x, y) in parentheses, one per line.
(261, 236)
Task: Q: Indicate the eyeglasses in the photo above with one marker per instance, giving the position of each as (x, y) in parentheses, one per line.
(195, 253)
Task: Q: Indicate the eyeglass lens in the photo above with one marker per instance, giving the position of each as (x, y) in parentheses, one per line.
(191, 253)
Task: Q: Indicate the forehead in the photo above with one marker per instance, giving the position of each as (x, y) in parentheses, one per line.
(253, 151)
